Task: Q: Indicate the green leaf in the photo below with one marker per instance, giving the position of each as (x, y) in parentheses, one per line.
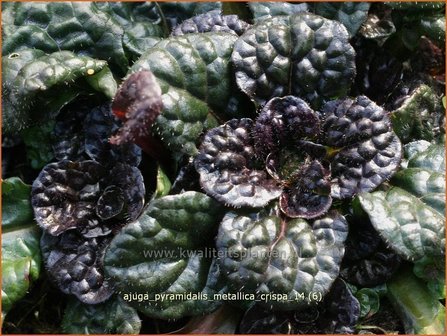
(21, 260)
(303, 55)
(420, 311)
(175, 12)
(419, 117)
(164, 252)
(139, 21)
(111, 317)
(38, 144)
(434, 28)
(163, 183)
(265, 10)
(410, 216)
(411, 227)
(369, 302)
(432, 271)
(16, 203)
(425, 177)
(351, 14)
(261, 255)
(44, 85)
(195, 76)
(80, 27)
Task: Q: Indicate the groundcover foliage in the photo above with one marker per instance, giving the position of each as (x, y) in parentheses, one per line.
(223, 167)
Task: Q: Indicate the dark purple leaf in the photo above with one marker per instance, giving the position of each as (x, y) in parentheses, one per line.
(228, 168)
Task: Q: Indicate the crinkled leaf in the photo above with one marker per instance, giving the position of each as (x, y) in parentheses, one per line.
(139, 22)
(272, 255)
(228, 169)
(194, 74)
(419, 116)
(338, 313)
(75, 265)
(38, 143)
(75, 26)
(21, 260)
(212, 21)
(431, 158)
(425, 177)
(162, 253)
(74, 195)
(411, 227)
(111, 317)
(303, 54)
(370, 152)
(284, 121)
(44, 85)
(176, 12)
(369, 302)
(309, 192)
(265, 10)
(82, 131)
(351, 14)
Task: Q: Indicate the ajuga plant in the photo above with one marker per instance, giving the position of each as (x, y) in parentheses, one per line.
(223, 167)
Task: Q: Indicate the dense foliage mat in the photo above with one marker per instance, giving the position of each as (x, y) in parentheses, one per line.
(243, 167)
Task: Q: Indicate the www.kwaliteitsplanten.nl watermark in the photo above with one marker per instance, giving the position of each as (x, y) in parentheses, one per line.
(181, 253)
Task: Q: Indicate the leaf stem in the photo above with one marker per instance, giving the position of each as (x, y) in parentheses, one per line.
(420, 311)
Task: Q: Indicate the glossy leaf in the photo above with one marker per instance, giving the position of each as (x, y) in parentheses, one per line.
(177, 12)
(369, 302)
(212, 21)
(194, 75)
(227, 167)
(351, 14)
(370, 152)
(21, 260)
(111, 317)
(75, 265)
(44, 85)
(139, 23)
(286, 257)
(162, 253)
(78, 27)
(425, 177)
(408, 225)
(284, 121)
(421, 312)
(265, 10)
(419, 116)
(74, 195)
(303, 55)
(308, 195)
